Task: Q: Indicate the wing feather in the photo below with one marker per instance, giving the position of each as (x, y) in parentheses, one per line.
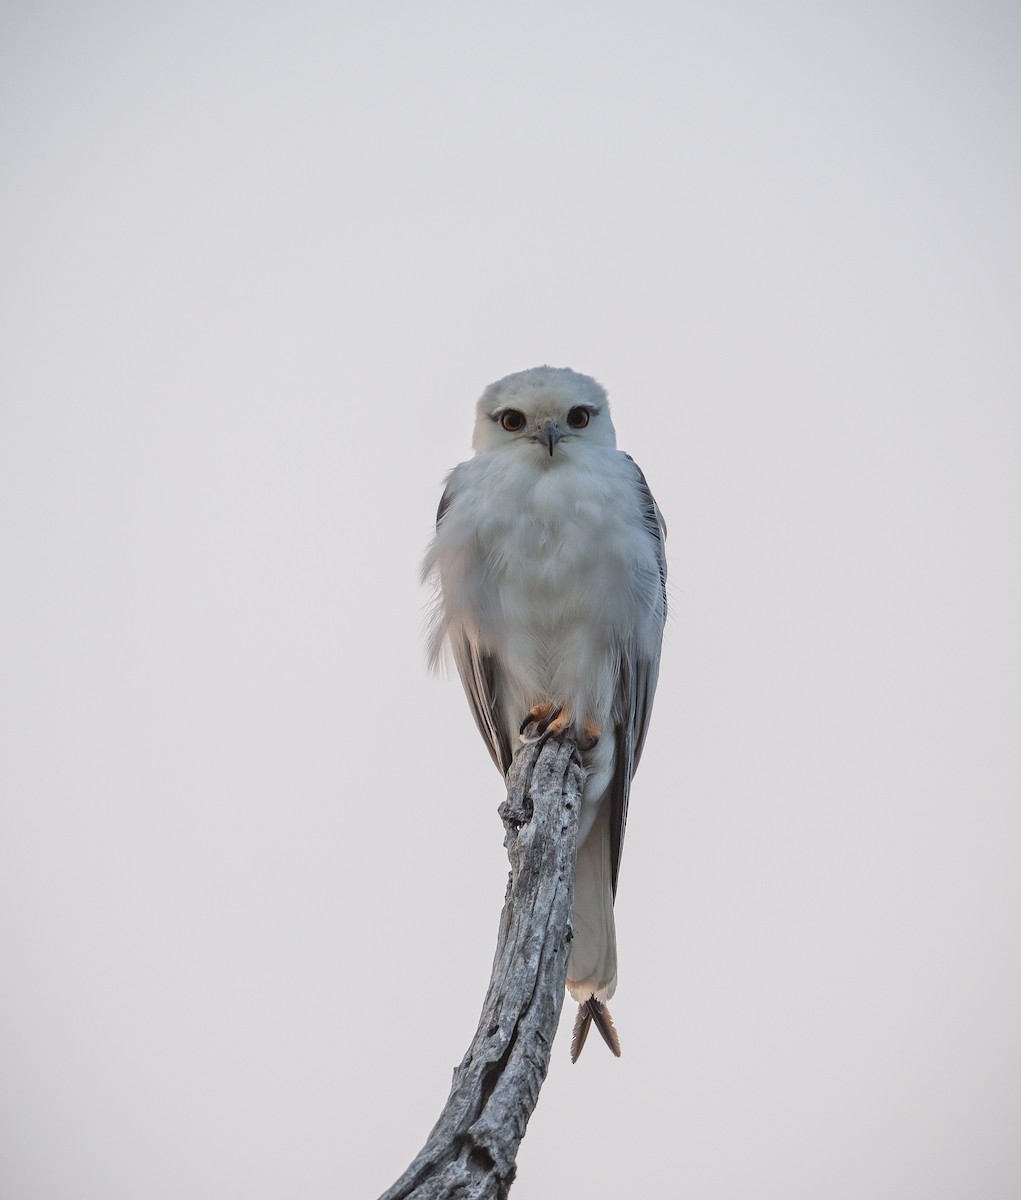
(636, 688)
(479, 675)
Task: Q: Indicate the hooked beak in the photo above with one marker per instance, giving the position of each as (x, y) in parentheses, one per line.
(549, 434)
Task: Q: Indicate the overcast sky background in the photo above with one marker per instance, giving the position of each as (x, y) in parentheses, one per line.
(258, 264)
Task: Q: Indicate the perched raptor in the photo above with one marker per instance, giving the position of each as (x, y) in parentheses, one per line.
(551, 593)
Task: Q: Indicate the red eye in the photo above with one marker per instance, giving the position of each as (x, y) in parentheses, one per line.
(512, 420)
(577, 418)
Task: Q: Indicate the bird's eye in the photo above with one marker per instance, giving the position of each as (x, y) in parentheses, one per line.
(512, 420)
(577, 418)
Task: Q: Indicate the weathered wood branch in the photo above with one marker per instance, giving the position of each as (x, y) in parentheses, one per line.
(472, 1149)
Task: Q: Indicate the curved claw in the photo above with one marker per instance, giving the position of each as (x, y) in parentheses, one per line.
(541, 715)
(548, 720)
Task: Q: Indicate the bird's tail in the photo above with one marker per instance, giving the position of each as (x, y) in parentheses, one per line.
(593, 1011)
(592, 971)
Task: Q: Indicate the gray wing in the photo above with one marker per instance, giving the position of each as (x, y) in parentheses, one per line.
(479, 674)
(479, 677)
(636, 688)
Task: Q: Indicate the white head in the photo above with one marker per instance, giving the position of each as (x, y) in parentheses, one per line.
(542, 410)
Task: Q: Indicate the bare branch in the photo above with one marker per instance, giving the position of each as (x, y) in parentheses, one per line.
(472, 1149)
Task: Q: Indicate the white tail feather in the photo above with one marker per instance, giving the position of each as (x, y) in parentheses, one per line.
(592, 970)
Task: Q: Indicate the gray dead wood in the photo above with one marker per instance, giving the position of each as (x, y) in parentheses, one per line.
(472, 1149)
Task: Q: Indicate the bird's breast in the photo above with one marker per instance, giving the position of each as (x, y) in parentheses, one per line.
(559, 549)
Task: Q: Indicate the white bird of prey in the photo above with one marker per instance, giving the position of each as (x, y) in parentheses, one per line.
(551, 592)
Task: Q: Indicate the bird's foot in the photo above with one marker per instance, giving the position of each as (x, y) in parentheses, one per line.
(585, 732)
(591, 732)
(557, 720)
(541, 716)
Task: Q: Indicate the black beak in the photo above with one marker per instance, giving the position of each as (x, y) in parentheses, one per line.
(549, 435)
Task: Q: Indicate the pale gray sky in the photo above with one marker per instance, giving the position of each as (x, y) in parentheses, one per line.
(258, 263)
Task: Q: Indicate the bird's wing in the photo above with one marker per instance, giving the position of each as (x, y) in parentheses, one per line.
(636, 687)
(479, 677)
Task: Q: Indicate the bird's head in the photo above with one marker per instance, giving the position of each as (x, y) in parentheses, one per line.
(543, 411)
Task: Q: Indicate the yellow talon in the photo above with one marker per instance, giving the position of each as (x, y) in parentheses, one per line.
(540, 715)
(555, 720)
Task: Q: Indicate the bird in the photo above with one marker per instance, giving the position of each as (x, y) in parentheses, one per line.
(549, 574)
